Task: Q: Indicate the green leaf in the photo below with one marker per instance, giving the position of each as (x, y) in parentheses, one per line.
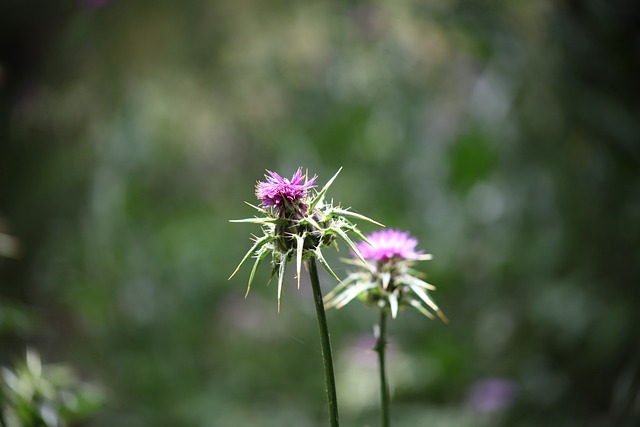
(281, 270)
(393, 305)
(424, 297)
(350, 243)
(347, 212)
(259, 259)
(322, 192)
(309, 220)
(351, 278)
(257, 245)
(414, 281)
(361, 236)
(264, 211)
(256, 220)
(299, 250)
(350, 294)
(325, 264)
(416, 304)
(386, 278)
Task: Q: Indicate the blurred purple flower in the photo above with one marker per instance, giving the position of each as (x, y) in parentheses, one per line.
(284, 195)
(491, 395)
(389, 244)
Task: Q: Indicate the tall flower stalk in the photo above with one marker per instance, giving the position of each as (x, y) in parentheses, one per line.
(380, 347)
(297, 223)
(388, 281)
(325, 344)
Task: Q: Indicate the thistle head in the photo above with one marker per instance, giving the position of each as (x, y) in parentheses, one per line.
(389, 245)
(297, 223)
(286, 198)
(387, 279)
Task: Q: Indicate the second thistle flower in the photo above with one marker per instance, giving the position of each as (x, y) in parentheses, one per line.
(388, 279)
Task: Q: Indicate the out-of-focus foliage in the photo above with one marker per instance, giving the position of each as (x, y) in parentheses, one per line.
(504, 135)
(43, 395)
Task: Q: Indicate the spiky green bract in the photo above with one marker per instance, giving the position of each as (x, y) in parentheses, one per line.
(301, 234)
(388, 282)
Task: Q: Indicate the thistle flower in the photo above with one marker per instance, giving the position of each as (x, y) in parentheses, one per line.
(386, 245)
(284, 196)
(387, 279)
(297, 222)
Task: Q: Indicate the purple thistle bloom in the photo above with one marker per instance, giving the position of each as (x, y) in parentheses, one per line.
(491, 395)
(283, 194)
(296, 223)
(389, 244)
(387, 278)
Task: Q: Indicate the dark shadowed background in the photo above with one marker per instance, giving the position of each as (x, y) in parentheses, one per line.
(505, 135)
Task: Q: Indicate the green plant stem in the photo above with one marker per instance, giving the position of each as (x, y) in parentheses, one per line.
(381, 344)
(325, 343)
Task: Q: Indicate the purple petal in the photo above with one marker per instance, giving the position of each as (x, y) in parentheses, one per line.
(387, 244)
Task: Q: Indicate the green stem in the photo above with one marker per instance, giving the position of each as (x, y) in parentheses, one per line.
(381, 343)
(325, 343)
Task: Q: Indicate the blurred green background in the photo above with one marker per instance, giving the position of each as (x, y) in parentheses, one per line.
(505, 135)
